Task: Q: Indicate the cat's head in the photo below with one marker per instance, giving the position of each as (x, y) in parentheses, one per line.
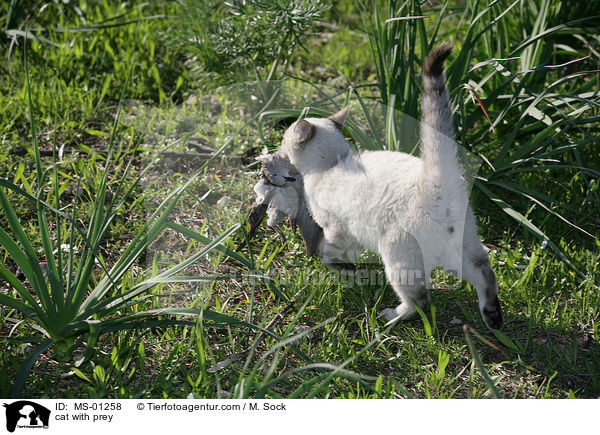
(316, 143)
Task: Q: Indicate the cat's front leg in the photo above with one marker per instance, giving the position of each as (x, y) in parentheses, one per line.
(337, 251)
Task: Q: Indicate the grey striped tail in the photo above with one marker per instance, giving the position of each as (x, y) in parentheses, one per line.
(438, 149)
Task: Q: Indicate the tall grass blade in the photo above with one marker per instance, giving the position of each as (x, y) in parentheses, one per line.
(479, 364)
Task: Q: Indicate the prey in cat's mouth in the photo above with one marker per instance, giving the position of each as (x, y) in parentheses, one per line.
(280, 195)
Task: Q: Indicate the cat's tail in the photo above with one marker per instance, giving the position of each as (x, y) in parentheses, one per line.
(438, 148)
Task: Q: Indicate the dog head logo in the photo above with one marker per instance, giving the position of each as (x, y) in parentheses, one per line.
(26, 414)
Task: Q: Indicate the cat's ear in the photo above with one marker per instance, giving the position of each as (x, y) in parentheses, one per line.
(303, 131)
(339, 118)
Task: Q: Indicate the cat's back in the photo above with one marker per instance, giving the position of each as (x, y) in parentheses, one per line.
(390, 165)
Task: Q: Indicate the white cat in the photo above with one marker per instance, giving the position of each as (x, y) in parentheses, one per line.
(413, 211)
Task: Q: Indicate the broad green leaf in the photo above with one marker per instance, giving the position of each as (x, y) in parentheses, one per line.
(506, 341)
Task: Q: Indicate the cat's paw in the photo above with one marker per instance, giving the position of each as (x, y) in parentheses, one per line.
(492, 315)
(388, 313)
(402, 312)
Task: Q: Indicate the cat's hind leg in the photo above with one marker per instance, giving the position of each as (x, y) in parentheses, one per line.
(477, 270)
(406, 274)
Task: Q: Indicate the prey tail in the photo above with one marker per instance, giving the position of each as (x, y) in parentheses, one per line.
(438, 148)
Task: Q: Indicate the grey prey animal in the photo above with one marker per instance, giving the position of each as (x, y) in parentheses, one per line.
(280, 195)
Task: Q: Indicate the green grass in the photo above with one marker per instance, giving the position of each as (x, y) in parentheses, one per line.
(268, 321)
